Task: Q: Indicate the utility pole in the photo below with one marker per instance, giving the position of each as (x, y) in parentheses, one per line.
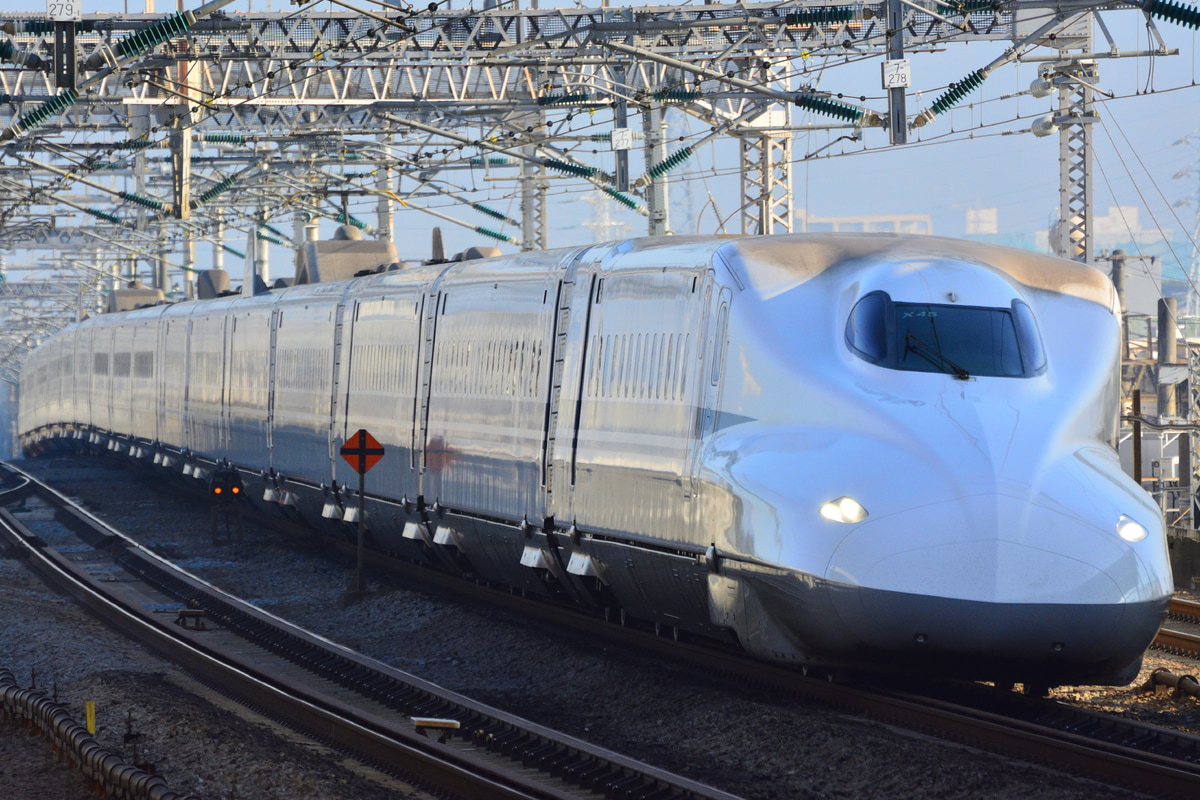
(1074, 77)
(655, 149)
(766, 162)
(385, 206)
(896, 74)
(533, 193)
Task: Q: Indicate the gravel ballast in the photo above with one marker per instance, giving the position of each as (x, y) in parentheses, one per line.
(743, 741)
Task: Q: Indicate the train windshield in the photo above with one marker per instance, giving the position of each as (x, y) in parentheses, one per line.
(961, 341)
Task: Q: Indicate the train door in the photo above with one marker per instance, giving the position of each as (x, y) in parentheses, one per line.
(572, 306)
(710, 380)
(343, 353)
(275, 314)
(434, 304)
(185, 439)
(223, 434)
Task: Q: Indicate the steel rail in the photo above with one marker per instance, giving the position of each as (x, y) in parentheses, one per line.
(1187, 610)
(1040, 731)
(460, 769)
(1178, 642)
(254, 690)
(1099, 746)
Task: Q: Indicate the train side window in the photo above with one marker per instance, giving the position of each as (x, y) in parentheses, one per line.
(143, 364)
(866, 329)
(1030, 338)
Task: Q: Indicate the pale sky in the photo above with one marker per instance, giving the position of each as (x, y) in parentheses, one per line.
(1018, 174)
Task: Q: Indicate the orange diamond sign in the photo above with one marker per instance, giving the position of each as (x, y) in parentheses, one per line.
(362, 451)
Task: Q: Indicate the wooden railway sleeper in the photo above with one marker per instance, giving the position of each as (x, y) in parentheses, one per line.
(585, 776)
(570, 770)
(550, 764)
(634, 789)
(534, 756)
(602, 777)
(484, 734)
(657, 793)
(616, 787)
(433, 707)
(514, 744)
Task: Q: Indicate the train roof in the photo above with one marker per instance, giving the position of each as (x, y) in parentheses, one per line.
(773, 264)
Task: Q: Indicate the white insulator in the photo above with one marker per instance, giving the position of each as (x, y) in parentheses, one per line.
(1044, 126)
(1041, 87)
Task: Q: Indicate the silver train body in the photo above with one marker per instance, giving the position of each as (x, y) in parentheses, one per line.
(764, 437)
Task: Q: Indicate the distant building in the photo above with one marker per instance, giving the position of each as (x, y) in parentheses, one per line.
(1143, 282)
(983, 221)
(803, 222)
(1151, 261)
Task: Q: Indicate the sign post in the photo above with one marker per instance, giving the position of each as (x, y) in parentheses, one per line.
(362, 452)
(64, 14)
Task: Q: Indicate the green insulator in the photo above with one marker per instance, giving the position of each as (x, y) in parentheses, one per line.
(225, 138)
(964, 7)
(1186, 16)
(104, 215)
(602, 137)
(50, 108)
(273, 230)
(135, 144)
(492, 161)
(957, 92)
(504, 237)
(676, 95)
(6, 50)
(819, 104)
(670, 162)
(830, 15)
(622, 198)
(355, 221)
(154, 34)
(570, 98)
(233, 251)
(579, 170)
(220, 188)
(266, 237)
(41, 26)
(491, 212)
(146, 202)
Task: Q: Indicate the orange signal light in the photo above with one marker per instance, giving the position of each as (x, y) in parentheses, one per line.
(216, 490)
(235, 490)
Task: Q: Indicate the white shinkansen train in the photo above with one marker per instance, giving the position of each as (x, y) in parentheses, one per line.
(848, 451)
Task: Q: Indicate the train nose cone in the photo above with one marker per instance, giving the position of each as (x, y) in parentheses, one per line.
(993, 576)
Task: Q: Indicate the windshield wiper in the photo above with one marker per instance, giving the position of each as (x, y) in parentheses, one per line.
(911, 342)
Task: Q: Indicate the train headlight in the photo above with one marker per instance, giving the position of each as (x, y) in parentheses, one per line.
(847, 509)
(1129, 530)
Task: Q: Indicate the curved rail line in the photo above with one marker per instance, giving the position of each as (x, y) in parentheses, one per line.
(1099, 746)
(1186, 610)
(1180, 642)
(1096, 745)
(492, 753)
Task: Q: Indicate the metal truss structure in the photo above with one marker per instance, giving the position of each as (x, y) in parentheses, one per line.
(179, 132)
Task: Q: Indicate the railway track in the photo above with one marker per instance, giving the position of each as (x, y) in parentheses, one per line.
(386, 717)
(1176, 641)
(1122, 752)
